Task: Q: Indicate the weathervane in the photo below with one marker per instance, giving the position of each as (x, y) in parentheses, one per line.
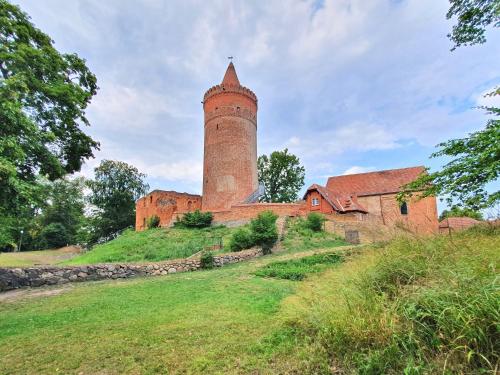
(230, 58)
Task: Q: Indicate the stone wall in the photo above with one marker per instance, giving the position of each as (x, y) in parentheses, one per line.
(12, 278)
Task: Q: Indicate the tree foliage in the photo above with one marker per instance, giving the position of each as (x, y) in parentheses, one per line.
(475, 160)
(460, 212)
(43, 97)
(197, 219)
(473, 17)
(282, 176)
(115, 188)
(66, 206)
(475, 163)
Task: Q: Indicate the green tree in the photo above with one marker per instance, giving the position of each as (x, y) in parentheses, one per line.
(282, 176)
(114, 190)
(473, 17)
(43, 97)
(475, 160)
(65, 206)
(460, 212)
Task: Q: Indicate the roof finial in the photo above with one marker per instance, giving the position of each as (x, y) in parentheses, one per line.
(230, 58)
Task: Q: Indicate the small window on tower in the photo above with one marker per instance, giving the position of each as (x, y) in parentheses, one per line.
(151, 199)
(217, 126)
(404, 209)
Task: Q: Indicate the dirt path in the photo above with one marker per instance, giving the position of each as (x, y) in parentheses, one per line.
(16, 294)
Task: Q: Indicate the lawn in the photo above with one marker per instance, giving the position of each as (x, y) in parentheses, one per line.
(413, 305)
(154, 245)
(42, 257)
(202, 322)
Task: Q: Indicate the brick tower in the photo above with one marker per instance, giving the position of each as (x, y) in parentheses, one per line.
(230, 155)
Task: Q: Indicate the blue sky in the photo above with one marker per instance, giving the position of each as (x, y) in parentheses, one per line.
(347, 85)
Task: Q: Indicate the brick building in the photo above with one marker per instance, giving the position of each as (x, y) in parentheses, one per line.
(372, 197)
(230, 177)
(454, 224)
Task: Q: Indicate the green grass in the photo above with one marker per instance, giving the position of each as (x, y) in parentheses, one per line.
(298, 269)
(412, 306)
(154, 245)
(300, 238)
(201, 322)
(40, 257)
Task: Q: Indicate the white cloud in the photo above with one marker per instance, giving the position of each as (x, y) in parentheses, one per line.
(358, 169)
(337, 83)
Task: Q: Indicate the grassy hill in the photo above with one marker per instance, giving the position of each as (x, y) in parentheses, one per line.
(412, 305)
(172, 243)
(154, 245)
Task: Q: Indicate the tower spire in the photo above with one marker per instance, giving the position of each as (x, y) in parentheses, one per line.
(230, 78)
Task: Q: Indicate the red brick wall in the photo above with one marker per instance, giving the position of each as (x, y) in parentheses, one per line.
(421, 218)
(163, 204)
(230, 148)
(245, 212)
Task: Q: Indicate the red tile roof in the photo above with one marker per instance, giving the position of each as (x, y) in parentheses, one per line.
(458, 222)
(373, 183)
(340, 203)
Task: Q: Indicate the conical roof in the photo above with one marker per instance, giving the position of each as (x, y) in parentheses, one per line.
(230, 78)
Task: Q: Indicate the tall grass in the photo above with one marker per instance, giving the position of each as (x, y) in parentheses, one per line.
(414, 306)
(300, 237)
(298, 269)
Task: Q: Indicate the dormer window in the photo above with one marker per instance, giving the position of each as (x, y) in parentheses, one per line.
(315, 202)
(404, 209)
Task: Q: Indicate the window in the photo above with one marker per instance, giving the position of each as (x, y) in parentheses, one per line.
(190, 204)
(151, 199)
(404, 209)
(144, 222)
(315, 202)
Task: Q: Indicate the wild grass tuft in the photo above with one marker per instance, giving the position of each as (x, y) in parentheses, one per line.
(300, 237)
(298, 269)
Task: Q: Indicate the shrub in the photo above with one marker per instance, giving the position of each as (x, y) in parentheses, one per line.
(197, 219)
(54, 235)
(297, 269)
(207, 260)
(241, 239)
(264, 230)
(153, 222)
(315, 221)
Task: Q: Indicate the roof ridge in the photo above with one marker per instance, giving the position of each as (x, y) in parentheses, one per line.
(380, 171)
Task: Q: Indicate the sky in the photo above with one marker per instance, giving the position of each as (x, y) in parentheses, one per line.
(348, 86)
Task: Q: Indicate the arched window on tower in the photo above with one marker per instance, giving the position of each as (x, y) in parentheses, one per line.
(404, 208)
(151, 199)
